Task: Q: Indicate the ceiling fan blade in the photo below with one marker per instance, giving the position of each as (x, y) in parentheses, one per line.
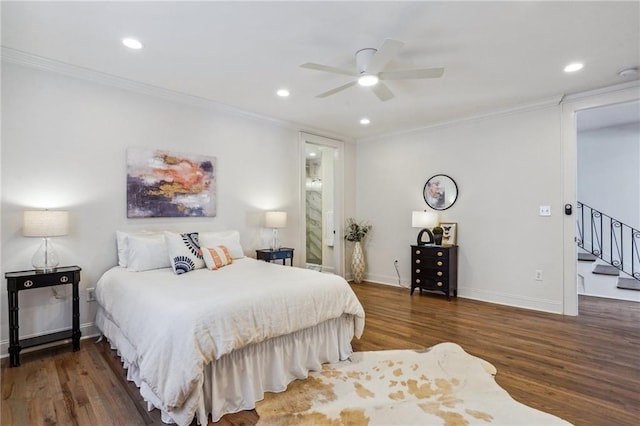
(384, 55)
(409, 74)
(382, 91)
(336, 90)
(327, 68)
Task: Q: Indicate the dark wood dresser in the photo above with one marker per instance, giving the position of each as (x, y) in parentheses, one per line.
(435, 268)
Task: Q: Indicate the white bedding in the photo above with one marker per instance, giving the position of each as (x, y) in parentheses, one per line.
(179, 323)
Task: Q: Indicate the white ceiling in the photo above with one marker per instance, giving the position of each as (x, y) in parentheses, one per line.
(496, 55)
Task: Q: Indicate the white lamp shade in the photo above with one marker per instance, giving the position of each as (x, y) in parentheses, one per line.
(45, 223)
(424, 219)
(276, 219)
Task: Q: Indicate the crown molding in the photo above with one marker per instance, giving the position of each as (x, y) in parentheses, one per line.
(22, 58)
(543, 103)
(601, 91)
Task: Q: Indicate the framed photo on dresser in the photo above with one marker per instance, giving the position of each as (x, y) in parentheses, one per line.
(450, 235)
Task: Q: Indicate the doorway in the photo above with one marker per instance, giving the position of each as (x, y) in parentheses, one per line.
(571, 105)
(321, 196)
(608, 188)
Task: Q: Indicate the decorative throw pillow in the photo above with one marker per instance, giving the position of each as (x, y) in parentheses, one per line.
(184, 252)
(216, 257)
(145, 252)
(230, 239)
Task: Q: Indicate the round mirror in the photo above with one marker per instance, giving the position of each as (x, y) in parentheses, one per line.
(440, 192)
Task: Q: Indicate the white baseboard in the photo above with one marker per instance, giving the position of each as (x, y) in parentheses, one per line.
(544, 305)
(88, 331)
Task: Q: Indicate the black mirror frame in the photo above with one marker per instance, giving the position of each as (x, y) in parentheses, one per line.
(435, 205)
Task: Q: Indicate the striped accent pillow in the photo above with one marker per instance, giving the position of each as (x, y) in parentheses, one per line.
(216, 257)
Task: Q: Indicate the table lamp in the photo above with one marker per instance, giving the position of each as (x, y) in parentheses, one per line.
(275, 220)
(425, 220)
(45, 224)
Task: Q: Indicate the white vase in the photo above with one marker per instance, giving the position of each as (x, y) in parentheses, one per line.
(357, 263)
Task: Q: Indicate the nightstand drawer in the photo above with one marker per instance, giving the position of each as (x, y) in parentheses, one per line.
(36, 281)
(282, 253)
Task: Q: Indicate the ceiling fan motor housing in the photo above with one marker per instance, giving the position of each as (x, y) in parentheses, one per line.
(363, 59)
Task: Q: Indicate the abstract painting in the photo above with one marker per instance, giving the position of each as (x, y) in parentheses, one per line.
(168, 184)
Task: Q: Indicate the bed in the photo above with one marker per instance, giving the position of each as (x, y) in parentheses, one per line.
(212, 342)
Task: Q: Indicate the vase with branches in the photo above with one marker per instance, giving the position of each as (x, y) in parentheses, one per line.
(355, 232)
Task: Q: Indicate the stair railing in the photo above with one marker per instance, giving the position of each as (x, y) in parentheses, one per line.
(609, 239)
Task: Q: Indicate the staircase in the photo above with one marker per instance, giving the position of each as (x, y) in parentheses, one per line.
(612, 247)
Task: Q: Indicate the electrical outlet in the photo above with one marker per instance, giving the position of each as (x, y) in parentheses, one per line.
(538, 275)
(91, 295)
(545, 211)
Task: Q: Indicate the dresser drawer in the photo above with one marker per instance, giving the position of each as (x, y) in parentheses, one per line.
(431, 283)
(431, 273)
(431, 252)
(424, 262)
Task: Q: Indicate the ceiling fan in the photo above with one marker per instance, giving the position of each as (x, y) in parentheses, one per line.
(370, 63)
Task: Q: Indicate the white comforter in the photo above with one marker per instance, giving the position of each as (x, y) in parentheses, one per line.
(179, 323)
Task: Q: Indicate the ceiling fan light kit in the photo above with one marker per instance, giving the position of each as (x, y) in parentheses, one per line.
(369, 64)
(368, 80)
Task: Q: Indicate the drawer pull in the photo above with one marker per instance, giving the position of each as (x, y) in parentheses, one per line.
(28, 283)
(439, 253)
(417, 280)
(417, 271)
(417, 251)
(64, 279)
(439, 273)
(439, 283)
(439, 263)
(417, 260)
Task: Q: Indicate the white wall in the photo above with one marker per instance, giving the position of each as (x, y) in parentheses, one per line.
(609, 171)
(505, 166)
(63, 146)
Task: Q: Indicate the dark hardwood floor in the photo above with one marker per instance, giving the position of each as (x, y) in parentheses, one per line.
(585, 369)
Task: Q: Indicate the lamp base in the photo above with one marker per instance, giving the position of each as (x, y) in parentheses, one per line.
(275, 241)
(421, 241)
(45, 258)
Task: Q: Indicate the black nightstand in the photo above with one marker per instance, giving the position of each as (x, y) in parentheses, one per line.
(268, 255)
(26, 280)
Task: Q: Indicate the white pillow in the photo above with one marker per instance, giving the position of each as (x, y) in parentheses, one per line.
(184, 252)
(122, 244)
(147, 252)
(229, 239)
(216, 257)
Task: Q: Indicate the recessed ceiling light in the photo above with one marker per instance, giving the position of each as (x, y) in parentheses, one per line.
(368, 80)
(132, 43)
(312, 154)
(283, 93)
(365, 121)
(576, 66)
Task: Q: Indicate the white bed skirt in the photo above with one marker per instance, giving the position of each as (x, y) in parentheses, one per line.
(238, 380)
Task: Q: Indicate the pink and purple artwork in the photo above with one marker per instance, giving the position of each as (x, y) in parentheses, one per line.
(168, 184)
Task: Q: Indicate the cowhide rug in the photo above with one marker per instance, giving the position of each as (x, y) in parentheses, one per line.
(443, 385)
